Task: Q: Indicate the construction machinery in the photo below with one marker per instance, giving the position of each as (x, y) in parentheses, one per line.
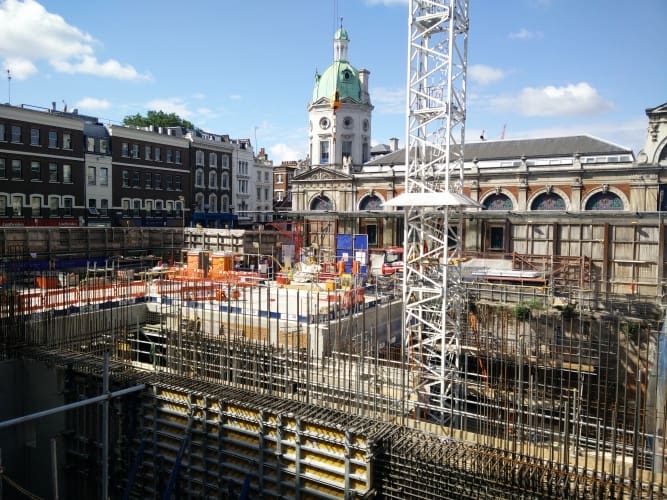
(433, 202)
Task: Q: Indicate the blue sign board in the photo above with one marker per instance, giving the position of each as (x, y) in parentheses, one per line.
(351, 247)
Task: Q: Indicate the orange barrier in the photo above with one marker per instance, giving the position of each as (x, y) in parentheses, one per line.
(46, 282)
(49, 298)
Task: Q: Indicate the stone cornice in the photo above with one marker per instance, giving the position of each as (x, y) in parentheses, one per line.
(57, 119)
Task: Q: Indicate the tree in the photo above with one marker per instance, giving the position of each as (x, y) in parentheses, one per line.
(157, 119)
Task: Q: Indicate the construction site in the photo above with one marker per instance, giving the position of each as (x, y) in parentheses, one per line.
(222, 363)
(211, 382)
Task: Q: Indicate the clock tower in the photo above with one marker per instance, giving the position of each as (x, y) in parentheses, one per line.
(339, 114)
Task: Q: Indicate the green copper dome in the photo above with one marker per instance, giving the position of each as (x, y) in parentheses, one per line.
(339, 76)
(341, 34)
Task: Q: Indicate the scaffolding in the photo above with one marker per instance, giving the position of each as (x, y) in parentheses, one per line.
(299, 387)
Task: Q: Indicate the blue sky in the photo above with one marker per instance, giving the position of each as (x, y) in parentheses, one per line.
(539, 68)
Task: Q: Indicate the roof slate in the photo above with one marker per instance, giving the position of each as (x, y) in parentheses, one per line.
(530, 148)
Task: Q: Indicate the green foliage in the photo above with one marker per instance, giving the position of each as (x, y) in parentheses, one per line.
(157, 119)
(521, 311)
(535, 304)
(631, 329)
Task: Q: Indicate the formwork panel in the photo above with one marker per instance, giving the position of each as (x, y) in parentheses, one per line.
(323, 460)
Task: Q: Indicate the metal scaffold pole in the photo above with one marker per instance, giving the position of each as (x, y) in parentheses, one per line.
(71, 406)
(105, 427)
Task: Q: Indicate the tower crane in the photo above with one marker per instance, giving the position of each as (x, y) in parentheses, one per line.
(433, 201)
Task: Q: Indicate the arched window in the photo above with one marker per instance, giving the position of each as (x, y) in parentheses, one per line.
(199, 178)
(321, 202)
(498, 202)
(224, 202)
(548, 201)
(212, 203)
(604, 201)
(212, 179)
(199, 202)
(212, 160)
(370, 202)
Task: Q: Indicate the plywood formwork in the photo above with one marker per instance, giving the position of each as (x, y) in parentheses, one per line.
(626, 256)
(277, 449)
(198, 439)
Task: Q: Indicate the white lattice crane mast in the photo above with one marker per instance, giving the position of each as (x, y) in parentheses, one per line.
(433, 201)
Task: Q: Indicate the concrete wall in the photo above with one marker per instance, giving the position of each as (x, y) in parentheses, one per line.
(26, 387)
(371, 326)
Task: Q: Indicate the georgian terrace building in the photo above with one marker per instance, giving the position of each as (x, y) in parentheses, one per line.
(151, 176)
(211, 160)
(60, 168)
(41, 166)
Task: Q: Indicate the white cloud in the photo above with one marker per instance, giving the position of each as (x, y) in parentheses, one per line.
(19, 68)
(91, 66)
(205, 112)
(235, 97)
(580, 99)
(92, 103)
(285, 152)
(170, 105)
(283, 143)
(388, 101)
(31, 34)
(484, 75)
(524, 34)
(199, 116)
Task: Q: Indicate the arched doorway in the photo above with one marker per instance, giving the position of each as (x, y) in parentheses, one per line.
(373, 227)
